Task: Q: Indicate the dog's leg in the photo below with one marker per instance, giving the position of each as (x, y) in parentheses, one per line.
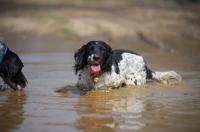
(83, 82)
(130, 80)
(163, 77)
(7, 81)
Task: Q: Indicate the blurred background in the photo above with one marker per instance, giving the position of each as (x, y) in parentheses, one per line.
(48, 25)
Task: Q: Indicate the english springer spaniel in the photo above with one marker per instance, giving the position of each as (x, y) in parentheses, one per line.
(101, 68)
(10, 68)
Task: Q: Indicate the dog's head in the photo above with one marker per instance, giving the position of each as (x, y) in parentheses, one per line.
(10, 68)
(96, 55)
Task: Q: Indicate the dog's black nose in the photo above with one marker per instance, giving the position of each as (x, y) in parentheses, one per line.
(96, 58)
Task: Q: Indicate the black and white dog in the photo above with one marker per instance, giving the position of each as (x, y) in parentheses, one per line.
(10, 68)
(100, 67)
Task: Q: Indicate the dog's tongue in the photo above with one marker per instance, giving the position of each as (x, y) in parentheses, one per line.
(95, 68)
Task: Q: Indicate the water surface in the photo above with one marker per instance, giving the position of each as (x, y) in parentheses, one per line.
(152, 107)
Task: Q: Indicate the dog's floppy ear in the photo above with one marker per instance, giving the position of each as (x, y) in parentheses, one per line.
(80, 59)
(107, 65)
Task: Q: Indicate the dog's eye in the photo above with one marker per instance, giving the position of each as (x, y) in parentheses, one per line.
(91, 49)
(102, 49)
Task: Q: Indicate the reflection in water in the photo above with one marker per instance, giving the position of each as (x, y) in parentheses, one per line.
(91, 123)
(11, 109)
(137, 108)
(110, 110)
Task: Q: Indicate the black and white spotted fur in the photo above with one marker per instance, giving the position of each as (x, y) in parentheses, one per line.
(113, 68)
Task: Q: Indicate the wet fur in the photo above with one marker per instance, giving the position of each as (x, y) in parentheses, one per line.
(10, 70)
(118, 68)
(81, 58)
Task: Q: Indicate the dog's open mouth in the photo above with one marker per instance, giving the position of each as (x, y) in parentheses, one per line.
(95, 67)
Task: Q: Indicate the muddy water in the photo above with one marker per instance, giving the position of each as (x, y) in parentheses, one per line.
(152, 107)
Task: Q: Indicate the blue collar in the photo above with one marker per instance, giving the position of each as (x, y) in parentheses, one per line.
(3, 50)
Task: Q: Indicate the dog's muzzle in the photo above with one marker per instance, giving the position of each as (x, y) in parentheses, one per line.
(94, 61)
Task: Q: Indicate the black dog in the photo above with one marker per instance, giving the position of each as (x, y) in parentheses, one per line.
(100, 67)
(10, 68)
